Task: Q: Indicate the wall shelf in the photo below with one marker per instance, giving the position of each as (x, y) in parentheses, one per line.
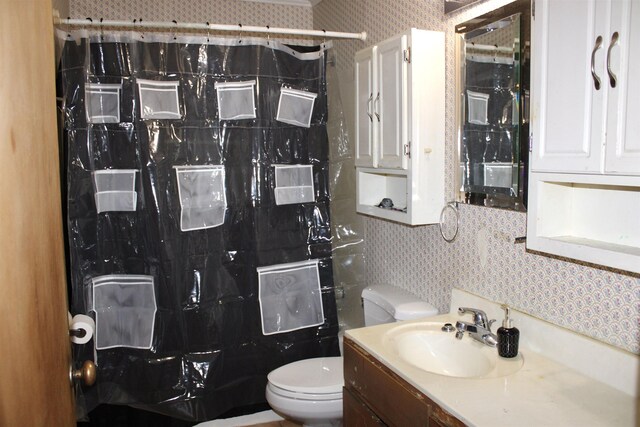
(593, 218)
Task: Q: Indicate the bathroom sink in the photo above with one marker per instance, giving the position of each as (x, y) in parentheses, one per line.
(425, 346)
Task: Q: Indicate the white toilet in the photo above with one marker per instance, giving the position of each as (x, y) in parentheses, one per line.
(310, 390)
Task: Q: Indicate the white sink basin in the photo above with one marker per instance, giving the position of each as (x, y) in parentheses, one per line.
(425, 346)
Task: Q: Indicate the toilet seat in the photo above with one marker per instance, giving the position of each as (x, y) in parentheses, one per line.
(303, 396)
(310, 379)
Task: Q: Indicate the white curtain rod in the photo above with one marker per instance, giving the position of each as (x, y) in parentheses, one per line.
(210, 27)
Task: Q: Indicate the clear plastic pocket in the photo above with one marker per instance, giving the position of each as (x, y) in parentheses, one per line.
(125, 307)
(203, 201)
(294, 184)
(116, 201)
(477, 106)
(290, 297)
(159, 99)
(236, 100)
(115, 190)
(295, 107)
(103, 102)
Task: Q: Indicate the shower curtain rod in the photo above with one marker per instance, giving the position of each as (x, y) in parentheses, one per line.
(210, 27)
(490, 47)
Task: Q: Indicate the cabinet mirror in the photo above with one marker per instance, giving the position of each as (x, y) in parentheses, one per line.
(492, 88)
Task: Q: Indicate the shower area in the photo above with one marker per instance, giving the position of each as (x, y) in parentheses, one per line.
(199, 174)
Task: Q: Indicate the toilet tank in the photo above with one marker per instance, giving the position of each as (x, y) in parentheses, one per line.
(386, 304)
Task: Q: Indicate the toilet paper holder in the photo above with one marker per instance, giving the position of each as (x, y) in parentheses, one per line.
(78, 333)
(81, 328)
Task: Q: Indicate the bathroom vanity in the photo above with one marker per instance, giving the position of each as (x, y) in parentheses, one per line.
(375, 395)
(560, 378)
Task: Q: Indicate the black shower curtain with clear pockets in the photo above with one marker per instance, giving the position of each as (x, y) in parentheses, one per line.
(197, 207)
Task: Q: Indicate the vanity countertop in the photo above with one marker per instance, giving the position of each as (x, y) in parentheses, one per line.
(542, 393)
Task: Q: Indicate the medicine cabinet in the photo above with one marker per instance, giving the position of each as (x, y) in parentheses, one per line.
(584, 200)
(400, 119)
(492, 91)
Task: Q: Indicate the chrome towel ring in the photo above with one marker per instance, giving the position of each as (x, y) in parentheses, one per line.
(449, 221)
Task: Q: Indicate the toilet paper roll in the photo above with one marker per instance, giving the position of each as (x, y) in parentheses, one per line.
(81, 322)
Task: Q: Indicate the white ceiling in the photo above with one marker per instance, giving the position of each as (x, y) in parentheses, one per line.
(307, 3)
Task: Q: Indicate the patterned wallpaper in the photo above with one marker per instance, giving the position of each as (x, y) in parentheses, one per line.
(597, 302)
(213, 11)
(60, 7)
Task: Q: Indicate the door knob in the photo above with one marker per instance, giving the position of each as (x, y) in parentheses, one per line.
(86, 373)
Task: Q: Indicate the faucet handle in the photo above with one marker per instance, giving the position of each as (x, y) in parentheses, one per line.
(479, 316)
(491, 322)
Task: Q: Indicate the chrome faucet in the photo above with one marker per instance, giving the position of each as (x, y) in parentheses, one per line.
(479, 330)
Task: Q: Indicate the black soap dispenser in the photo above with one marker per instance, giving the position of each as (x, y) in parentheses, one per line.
(508, 336)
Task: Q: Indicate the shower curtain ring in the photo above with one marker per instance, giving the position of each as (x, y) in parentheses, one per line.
(68, 26)
(101, 30)
(240, 35)
(134, 28)
(175, 28)
(208, 30)
(268, 36)
(88, 19)
(324, 41)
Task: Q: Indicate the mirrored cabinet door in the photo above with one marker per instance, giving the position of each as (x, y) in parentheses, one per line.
(493, 90)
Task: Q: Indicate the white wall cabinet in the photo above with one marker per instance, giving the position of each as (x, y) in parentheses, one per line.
(381, 104)
(399, 127)
(622, 155)
(366, 84)
(584, 186)
(586, 86)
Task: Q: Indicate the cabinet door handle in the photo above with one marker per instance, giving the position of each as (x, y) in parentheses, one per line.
(596, 79)
(368, 105)
(377, 101)
(612, 77)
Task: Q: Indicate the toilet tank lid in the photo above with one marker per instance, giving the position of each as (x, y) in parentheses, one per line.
(401, 304)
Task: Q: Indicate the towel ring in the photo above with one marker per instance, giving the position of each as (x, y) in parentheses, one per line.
(449, 235)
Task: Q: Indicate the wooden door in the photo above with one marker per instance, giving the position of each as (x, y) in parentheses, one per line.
(34, 341)
(391, 103)
(568, 114)
(366, 120)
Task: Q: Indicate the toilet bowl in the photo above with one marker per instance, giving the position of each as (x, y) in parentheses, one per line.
(310, 390)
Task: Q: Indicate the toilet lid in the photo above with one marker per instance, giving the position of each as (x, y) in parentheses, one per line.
(320, 375)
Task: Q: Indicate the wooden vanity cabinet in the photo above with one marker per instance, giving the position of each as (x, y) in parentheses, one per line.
(376, 396)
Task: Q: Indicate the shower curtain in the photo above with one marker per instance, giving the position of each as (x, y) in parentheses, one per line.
(197, 206)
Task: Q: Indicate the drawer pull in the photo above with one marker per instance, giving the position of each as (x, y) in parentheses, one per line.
(612, 77)
(596, 79)
(368, 104)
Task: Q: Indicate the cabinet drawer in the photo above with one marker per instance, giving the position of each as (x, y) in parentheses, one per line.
(358, 414)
